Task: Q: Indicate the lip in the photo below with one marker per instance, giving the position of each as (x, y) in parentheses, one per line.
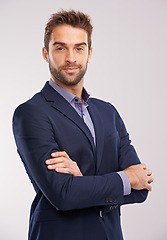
(70, 70)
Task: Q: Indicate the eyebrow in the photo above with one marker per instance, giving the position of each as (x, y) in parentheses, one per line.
(64, 44)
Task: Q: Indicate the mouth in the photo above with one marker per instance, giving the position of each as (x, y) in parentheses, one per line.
(70, 69)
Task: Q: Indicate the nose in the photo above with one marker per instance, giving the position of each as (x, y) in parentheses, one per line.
(70, 57)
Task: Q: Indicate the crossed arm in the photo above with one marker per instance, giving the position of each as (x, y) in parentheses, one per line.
(139, 176)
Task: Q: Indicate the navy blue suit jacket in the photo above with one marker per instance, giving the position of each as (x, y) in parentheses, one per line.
(67, 207)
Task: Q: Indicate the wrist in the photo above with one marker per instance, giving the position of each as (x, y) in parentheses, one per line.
(130, 177)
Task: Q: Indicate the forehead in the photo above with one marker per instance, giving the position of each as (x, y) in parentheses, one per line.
(68, 34)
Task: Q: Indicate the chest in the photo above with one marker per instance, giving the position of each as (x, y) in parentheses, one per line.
(74, 137)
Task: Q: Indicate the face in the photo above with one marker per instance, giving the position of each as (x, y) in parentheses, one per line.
(68, 55)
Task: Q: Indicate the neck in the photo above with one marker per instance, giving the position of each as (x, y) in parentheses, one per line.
(74, 89)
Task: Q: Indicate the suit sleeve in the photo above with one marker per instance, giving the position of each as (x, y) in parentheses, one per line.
(35, 140)
(127, 158)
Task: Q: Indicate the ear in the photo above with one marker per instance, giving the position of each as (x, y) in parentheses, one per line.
(45, 54)
(90, 54)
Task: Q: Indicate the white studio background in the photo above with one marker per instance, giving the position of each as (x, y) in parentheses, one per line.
(128, 68)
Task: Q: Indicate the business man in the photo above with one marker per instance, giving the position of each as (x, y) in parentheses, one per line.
(75, 149)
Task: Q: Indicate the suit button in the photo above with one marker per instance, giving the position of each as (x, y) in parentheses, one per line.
(110, 200)
(113, 207)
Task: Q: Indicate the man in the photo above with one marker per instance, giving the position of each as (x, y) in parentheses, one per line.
(75, 149)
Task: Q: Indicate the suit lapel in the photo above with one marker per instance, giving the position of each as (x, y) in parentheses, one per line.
(99, 131)
(59, 103)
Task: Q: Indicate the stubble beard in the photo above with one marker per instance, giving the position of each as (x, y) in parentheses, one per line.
(67, 80)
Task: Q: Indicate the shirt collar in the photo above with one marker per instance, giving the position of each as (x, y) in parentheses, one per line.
(67, 95)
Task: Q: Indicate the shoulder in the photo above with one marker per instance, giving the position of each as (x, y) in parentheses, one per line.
(103, 105)
(31, 107)
(30, 117)
(39, 101)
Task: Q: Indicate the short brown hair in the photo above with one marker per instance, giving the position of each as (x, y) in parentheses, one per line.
(73, 18)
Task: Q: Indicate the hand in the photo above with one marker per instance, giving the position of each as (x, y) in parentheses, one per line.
(140, 177)
(60, 162)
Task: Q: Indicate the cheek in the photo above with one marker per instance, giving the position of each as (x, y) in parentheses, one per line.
(56, 61)
(83, 60)
(86, 62)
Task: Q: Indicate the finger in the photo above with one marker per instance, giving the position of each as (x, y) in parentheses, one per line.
(51, 167)
(50, 161)
(149, 187)
(150, 179)
(59, 168)
(144, 166)
(60, 154)
(62, 164)
(54, 160)
(63, 170)
(149, 172)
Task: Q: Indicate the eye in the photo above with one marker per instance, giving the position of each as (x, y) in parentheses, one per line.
(59, 49)
(79, 49)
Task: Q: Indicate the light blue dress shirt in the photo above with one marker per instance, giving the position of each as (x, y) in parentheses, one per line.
(81, 109)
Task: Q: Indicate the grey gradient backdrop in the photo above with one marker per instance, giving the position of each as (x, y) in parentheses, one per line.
(128, 68)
